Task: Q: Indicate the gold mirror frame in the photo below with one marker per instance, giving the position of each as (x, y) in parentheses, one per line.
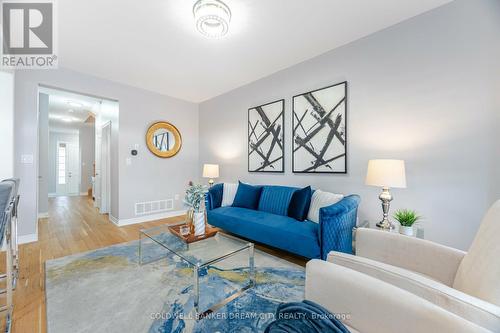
(169, 127)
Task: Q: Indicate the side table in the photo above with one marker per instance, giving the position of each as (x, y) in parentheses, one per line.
(418, 231)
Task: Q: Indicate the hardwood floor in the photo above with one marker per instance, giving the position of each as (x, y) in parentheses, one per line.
(73, 226)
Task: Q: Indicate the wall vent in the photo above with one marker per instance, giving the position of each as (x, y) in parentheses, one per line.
(152, 207)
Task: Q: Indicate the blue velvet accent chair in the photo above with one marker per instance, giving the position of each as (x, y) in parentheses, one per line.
(270, 225)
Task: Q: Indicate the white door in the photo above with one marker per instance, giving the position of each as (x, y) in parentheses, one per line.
(105, 169)
(73, 161)
(97, 179)
(68, 169)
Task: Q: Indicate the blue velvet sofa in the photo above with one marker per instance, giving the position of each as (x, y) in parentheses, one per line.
(304, 238)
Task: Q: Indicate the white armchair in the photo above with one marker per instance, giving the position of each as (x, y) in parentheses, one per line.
(397, 283)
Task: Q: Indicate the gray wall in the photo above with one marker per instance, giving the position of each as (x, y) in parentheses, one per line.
(43, 154)
(423, 91)
(87, 155)
(147, 178)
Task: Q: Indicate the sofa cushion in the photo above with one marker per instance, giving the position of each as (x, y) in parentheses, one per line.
(228, 193)
(276, 199)
(278, 231)
(299, 205)
(319, 200)
(247, 196)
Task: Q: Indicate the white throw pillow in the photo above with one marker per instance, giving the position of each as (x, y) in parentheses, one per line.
(321, 199)
(228, 194)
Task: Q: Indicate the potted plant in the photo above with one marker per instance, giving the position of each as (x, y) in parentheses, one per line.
(406, 218)
(195, 199)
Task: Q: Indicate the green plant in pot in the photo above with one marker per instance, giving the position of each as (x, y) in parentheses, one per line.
(407, 219)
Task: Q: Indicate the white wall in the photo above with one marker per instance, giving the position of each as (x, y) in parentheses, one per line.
(148, 177)
(423, 91)
(43, 154)
(87, 155)
(54, 137)
(6, 124)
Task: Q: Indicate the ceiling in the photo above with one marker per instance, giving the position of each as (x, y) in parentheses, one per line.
(68, 111)
(154, 44)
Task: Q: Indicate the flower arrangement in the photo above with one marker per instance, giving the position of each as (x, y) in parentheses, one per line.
(195, 196)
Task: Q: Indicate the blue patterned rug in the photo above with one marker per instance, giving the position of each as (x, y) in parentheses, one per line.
(108, 291)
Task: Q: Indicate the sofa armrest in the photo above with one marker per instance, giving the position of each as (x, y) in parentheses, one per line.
(336, 223)
(369, 305)
(473, 309)
(213, 198)
(431, 259)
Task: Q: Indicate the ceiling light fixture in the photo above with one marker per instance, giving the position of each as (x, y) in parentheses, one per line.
(212, 18)
(74, 104)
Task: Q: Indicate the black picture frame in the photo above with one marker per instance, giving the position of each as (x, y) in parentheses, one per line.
(301, 137)
(260, 129)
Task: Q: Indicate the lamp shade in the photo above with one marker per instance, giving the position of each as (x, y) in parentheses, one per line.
(386, 173)
(210, 171)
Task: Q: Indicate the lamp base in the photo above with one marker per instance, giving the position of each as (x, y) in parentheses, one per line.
(385, 224)
(386, 198)
(210, 182)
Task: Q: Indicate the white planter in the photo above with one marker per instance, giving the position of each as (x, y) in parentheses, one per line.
(199, 223)
(408, 231)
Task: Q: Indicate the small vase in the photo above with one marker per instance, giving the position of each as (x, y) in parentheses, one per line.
(199, 223)
(408, 231)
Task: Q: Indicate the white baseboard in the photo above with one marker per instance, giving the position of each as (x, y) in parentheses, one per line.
(54, 195)
(23, 239)
(43, 215)
(146, 218)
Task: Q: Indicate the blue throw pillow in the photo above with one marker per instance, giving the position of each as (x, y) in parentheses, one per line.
(247, 196)
(299, 205)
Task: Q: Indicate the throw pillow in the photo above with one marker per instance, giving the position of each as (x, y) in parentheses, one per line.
(299, 205)
(319, 200)
(247, 196)
(228, 193)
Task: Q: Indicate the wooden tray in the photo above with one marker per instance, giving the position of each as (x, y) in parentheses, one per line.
(191, 238)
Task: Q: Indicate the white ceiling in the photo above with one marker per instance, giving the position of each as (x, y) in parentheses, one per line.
(154, 45)
(64, 116)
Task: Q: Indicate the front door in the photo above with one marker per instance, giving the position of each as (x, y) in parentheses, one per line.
(68, 169)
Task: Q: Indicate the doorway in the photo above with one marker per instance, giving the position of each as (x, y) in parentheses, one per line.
(75, 135)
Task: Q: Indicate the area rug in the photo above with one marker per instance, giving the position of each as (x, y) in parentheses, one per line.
(106, 290)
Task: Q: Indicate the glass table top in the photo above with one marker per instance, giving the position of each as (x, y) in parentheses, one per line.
(202, 252)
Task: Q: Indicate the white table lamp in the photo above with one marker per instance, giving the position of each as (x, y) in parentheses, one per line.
(211, 171)
(386, 174)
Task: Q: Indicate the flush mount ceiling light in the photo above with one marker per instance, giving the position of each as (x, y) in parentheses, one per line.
(74, 104)
(212, 18)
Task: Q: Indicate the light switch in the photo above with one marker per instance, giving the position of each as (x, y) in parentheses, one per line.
(128, 161)
(27, 159)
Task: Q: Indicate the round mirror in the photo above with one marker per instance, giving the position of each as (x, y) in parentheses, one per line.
(163, 139)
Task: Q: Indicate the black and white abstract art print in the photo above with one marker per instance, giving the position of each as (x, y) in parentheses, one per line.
(319, 130)
(265, 137)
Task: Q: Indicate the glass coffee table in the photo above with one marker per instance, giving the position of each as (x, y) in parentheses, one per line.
(200, 255)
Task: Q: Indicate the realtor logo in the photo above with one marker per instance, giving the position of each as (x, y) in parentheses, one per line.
(28, 35)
